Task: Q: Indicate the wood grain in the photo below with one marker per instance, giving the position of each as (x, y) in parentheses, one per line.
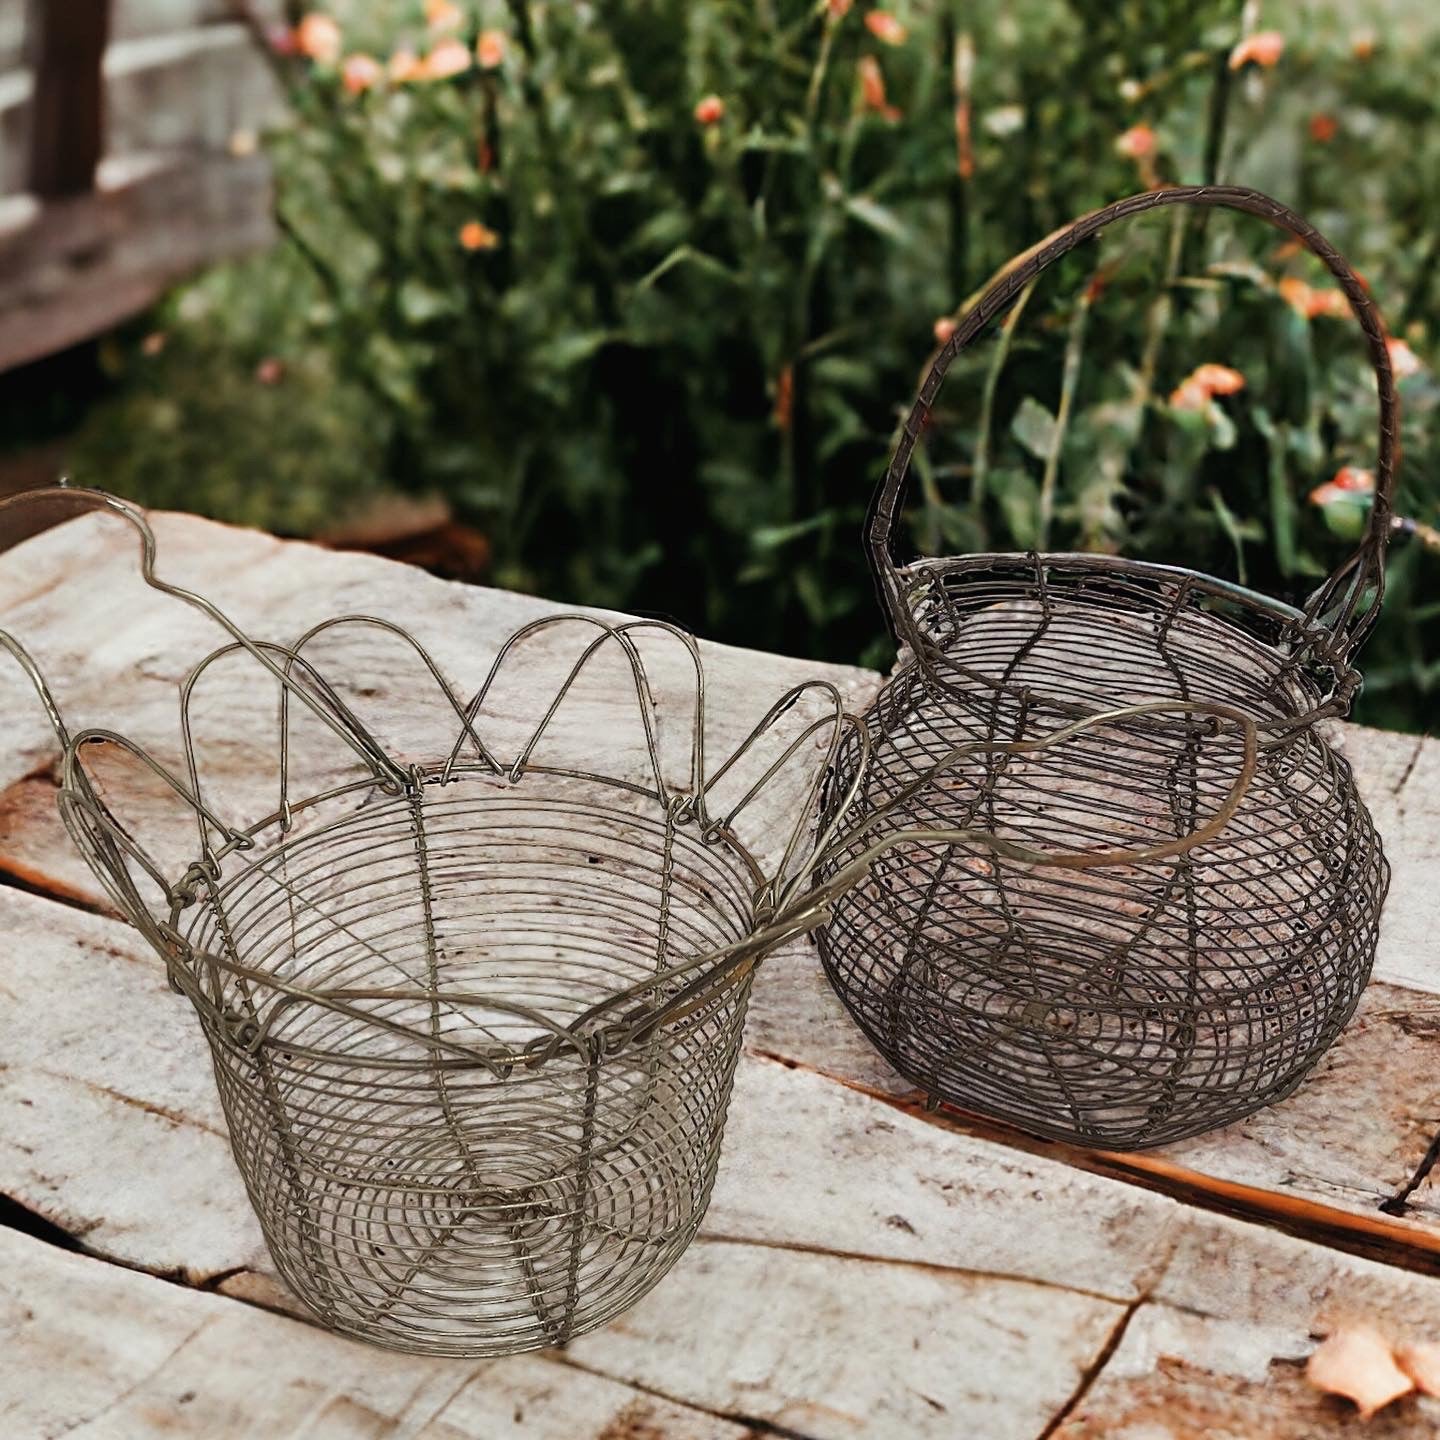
(866, 1268)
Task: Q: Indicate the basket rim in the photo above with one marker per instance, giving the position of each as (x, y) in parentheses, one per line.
(1310, 656)
(625, 1014)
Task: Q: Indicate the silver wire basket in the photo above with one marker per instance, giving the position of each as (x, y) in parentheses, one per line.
(1115, 1005)
(474, 1019)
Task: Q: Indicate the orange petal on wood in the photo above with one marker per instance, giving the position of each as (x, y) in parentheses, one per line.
(1422, 1364)
(1358, 1363)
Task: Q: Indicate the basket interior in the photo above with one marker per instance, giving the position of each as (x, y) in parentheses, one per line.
(428, 1202)
(1092, 638)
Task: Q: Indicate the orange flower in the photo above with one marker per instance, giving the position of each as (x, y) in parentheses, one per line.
(885, 27)
(449, 57)
(1313, 301)
(1263, 48)
(318, 36)
(1189, 396)
(1362, 44)
(359, 73)
(1137, 142)
(872, 89)
(709, 110)
(1195, 391)
(1354, 479)
(270, 371)
(1323, 127)
(1218, 379)
(1347, 482)
(443, 15)
(1403, 360)
(838, 9)
(944, 329)
(476, 235)
(153, 343)
(490, 49)
(404, 65)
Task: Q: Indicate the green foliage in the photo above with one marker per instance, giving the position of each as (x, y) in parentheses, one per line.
(210, 418)
(659, 353)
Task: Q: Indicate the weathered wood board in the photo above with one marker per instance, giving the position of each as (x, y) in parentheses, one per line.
(865, 1268)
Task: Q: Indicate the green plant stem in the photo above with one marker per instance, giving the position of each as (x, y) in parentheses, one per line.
(962, 59)
(1282, 509)
(1216, 120)
(816, 91)
(980, 473)
(1069, 381)
(1156, 329)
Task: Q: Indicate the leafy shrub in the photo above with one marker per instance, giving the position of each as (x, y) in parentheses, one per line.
(644, 287)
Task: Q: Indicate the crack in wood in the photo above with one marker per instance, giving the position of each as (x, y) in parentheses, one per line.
(148, 1107)
(17, 1216)
(1409, 770)
(1094, 1369)
(1399, 1202)
(137, 1385)
(715, 1237)
(14, 876)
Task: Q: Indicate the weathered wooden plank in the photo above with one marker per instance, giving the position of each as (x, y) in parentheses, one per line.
(75, 267)
(91, 1349)
(12, 33)
(825, 1195)
(1177, 1375)
(753, 1334)
(735, 1326)
(186, 88)
(114, 1081)
(17, 87)
(1345, 1142)
(135, 19)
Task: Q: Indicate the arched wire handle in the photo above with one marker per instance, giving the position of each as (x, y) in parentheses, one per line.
(802, 906)
(358, 740)
(1336, 605)
(632, 1016)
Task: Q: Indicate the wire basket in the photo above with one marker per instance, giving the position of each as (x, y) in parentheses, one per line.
(1118, 1005)
(474, 1019)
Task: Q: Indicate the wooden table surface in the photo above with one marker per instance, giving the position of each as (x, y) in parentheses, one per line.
(866, 1268)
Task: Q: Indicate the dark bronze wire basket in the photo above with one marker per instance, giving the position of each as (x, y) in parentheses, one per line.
(1134, 1004)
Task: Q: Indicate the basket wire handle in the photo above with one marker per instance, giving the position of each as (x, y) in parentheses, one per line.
(801, 906)
(1335, 607)
(352, 734)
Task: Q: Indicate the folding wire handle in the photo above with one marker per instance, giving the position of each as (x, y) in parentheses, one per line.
(1333, 616)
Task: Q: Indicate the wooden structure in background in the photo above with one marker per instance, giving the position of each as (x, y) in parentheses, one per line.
(120, 169)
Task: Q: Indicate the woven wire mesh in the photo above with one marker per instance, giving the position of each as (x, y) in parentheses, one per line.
(474, 1016)
(1142, 1000)
(421, 1197)
(1113, 1006)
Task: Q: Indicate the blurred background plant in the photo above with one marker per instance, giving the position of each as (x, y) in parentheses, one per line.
(642, 289)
